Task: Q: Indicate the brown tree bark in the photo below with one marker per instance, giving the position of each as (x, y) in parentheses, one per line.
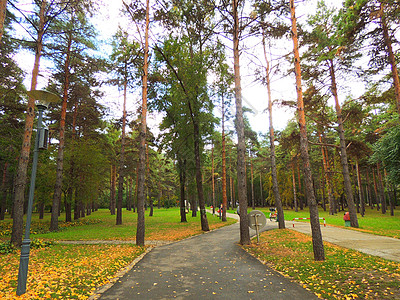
(360, 189)
(224, 196)
(327, 174)
(381, 189)
(3, 193)
(113, 179)
(296, 207)
(343, 152)
(182, 182)
(21, 178)
(140, 232)
(3, 10)
(392, 59)
(318, 246)
(377, 196)
(61, 145)
(241, 148)
(274, 172)
(213, 179)
(122, 161)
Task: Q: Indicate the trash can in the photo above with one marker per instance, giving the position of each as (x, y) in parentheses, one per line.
(346, 219)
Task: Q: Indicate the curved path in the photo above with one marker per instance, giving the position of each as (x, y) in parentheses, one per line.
(208, 266)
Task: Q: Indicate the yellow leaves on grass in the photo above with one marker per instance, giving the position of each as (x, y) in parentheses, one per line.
(345, 274)
(65, 272)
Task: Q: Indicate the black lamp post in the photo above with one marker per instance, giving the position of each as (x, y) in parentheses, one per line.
(43, 100)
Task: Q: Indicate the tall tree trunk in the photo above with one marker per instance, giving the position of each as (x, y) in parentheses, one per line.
(68, 205)
(381, 189)
(253, 204)
(392, 59)
(148, 181)
(3, 193)
(199, 179)
(213, 179)
(182, 181)
(21, 178)
(61, 145)
(327, 174)
(343, 152)
(368, 189)
(113, 188)
(122, 161)
(140, 232)
(361, 191)
(241, 148)
(261, 191)
(296, 208)
(3, 10)
(224, 196)
(377, 196)
(274, 173)
(391, 203)
(318, 245)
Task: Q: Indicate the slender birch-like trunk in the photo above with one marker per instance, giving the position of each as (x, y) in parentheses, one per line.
(241, 148)
(22, 171)
(140, 232)
(318, 246)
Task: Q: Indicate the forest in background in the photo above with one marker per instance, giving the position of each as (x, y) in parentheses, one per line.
(93, 161)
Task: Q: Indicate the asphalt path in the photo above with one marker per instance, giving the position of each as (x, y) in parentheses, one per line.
(207, 266)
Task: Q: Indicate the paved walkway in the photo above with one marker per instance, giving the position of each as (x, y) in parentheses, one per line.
(208, 266)
(386, 247)
(214, 266)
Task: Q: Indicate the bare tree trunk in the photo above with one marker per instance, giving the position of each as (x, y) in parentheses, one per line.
(343, 152)
(327, 174)
(392, 59)
(61, 145)
(199, 177)
(213, 179)
(381, 189)
(140, 232)
(274, 173)
(261, 191)
(122, 161)
(361, 191)
(241, 149)
(296, 208)
(3, 194)
(224, 196)
(318, 245)
(377, 196)
(113, 188)
(21, 178)
(3, 9)
(182, 181)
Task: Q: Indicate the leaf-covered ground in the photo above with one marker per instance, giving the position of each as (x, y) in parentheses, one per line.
(345, 274)
(65, 271)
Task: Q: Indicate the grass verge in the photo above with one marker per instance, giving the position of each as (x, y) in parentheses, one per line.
(58, 271)
(345, 274)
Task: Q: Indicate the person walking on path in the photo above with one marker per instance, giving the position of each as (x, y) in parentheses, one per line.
(208, 266)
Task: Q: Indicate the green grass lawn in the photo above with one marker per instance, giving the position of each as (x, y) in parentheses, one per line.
(100, 225)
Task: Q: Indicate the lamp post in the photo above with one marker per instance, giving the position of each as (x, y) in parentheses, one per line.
(43, 100)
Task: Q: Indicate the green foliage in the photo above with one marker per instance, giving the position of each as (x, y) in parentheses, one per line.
(387, 151)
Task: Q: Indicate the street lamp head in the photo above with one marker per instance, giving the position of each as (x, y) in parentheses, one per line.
(44, 98)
